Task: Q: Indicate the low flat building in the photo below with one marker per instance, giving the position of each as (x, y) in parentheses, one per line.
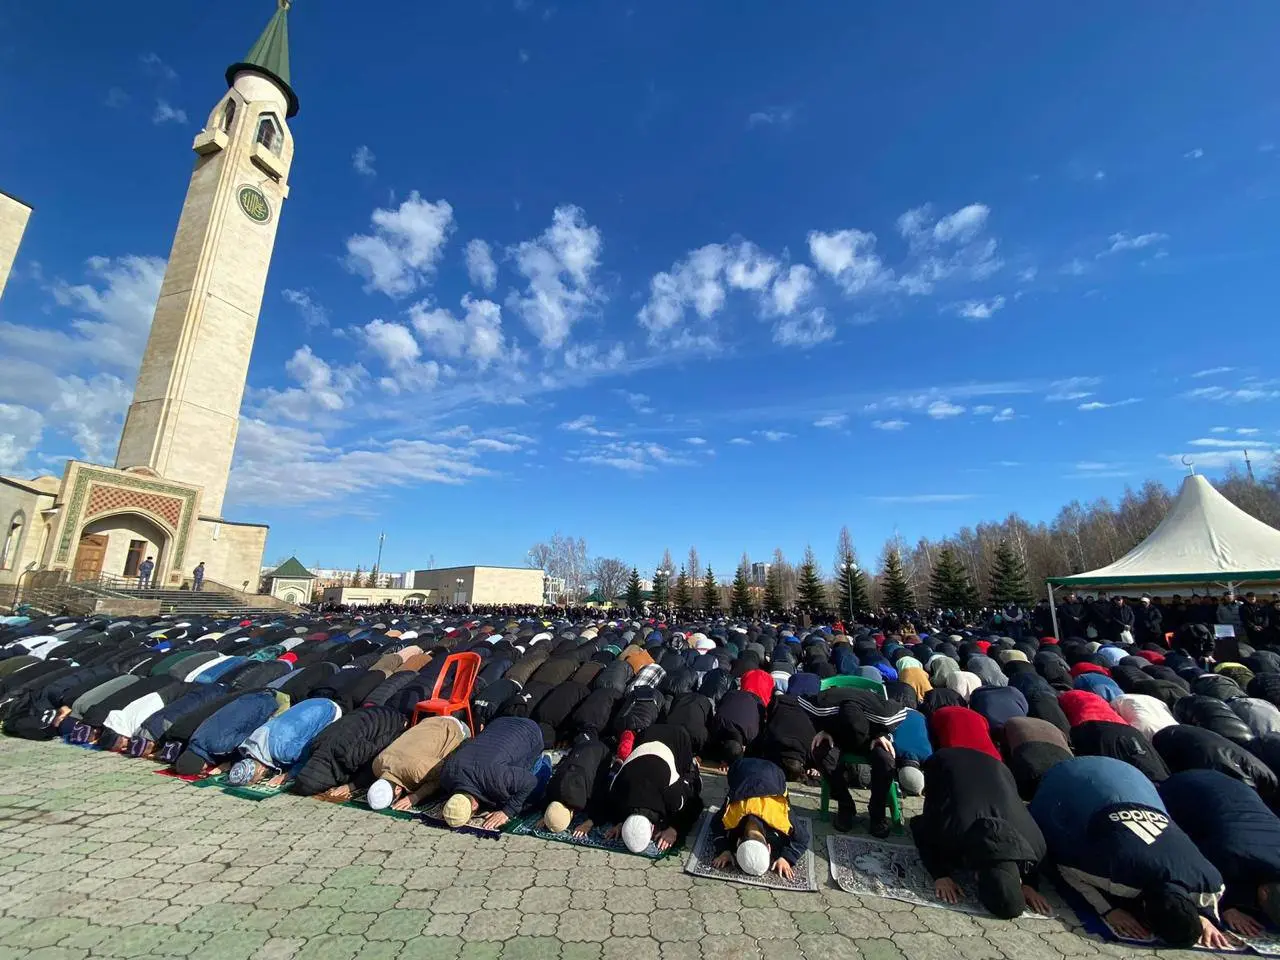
(482, 585)
(376, 596)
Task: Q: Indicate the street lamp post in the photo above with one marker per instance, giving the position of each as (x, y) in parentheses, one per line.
(457, 594)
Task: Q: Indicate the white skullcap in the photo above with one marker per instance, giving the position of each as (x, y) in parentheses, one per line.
(753, 857)
(380, 795)
(637, 833)
(911, 780)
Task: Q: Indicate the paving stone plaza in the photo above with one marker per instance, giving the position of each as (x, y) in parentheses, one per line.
(102, 858)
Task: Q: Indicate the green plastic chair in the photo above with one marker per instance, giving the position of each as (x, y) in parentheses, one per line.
(851, 759)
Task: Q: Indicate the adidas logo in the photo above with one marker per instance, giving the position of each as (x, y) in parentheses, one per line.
(1146, 825)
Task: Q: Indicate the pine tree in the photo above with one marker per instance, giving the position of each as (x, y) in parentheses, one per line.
(895, 591)
(372, 579)
(357, 578)
(740, 601)
(949, 588)
(1008, 578)
(683, 597)
(710, 592)
(810, 593)
(635, 595)
(661, 588)
(851, 589)
(774, 602)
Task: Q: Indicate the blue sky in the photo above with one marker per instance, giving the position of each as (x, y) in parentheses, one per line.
(660, 274)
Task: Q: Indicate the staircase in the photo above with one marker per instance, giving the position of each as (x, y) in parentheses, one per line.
(122, 597)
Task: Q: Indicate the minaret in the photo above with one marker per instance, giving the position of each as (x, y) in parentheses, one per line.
(186, 406)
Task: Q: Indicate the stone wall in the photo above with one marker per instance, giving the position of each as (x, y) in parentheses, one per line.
(232, 552)
(13, 223)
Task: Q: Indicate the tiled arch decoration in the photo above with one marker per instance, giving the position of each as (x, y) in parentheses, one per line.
(96, 492)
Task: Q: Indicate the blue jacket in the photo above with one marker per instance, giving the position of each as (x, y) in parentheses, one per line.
(283, 741)
(157, 725)
(222, 732)
(211, 674)
(1232, 827)
(998, 705)
(496, 767)
(1109, 834)
(1100, 684)
(911, 739)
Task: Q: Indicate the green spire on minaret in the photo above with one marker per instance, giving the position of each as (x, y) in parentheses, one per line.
(270, 55)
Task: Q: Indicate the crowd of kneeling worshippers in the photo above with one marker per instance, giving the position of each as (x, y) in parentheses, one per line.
(1143, 777)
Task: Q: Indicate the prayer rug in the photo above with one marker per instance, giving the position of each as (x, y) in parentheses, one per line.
(434, 816)
(256, 791)
(1095, 924)
(874, 868)
(359, 802)
(527, 826)
(803, 879)
(195, 779)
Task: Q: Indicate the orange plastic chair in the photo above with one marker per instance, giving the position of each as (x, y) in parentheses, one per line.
(459, 701)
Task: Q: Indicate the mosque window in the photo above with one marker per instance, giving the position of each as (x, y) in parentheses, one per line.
(228, 116)
(9, 548)
(269, 134)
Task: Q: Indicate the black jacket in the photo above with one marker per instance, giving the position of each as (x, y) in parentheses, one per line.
(1185, 747)
(581, 779)
(593, 715)
(739, 716)
(1098, 738)
(556, 707)
(496, 766)
(343, 751)
(647, 785)
(973, 816)
(788, 732)
(693, 712)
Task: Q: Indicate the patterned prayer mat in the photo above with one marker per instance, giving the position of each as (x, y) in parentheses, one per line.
(874, 868)
(527, 826)
(803, 880)
(256, 791)
(1099, 927)
(434, 816)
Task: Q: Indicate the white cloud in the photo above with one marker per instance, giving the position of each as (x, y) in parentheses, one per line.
(20, 430)
(587, 424)
(1194, 154)
(493, 446)
(1247, 431)
(1249, 394)
(771, 116)
(1005, 415)
(832, 420)
(849, 258)
(284, 465)
(558, 266)
(890, 425)
(166, 113)
(595, 358)
(926, 498)
(695, 441)
(313, 314)
(1099, 175)
(392, 342)
(983, 410)
(807, 330)
(362, 161)
(1226, 444)
(1206, 459)
(700, 283)
(980, 309)
(1072, 388)
(321, 390)
(480, 266)
(944, 409)
(639, 402)
(477, 335)
(773, 436)
(404, 248)
(1219, 429)
(790, 288)
(951, 246)
(153, 65)
(1075, 267)
(1212, 372)
(740, 442)
(1121, 242)
(630, 456)
(1099, 405)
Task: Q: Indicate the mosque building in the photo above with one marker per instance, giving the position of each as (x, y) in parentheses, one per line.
(163, 497)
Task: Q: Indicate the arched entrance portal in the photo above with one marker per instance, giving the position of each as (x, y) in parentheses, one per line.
(117, 546)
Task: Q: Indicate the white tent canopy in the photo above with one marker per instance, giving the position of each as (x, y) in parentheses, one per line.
(1204, 538)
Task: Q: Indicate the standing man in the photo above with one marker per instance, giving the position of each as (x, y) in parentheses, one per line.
(197, 577)
(144, 573)
(1148, 623)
